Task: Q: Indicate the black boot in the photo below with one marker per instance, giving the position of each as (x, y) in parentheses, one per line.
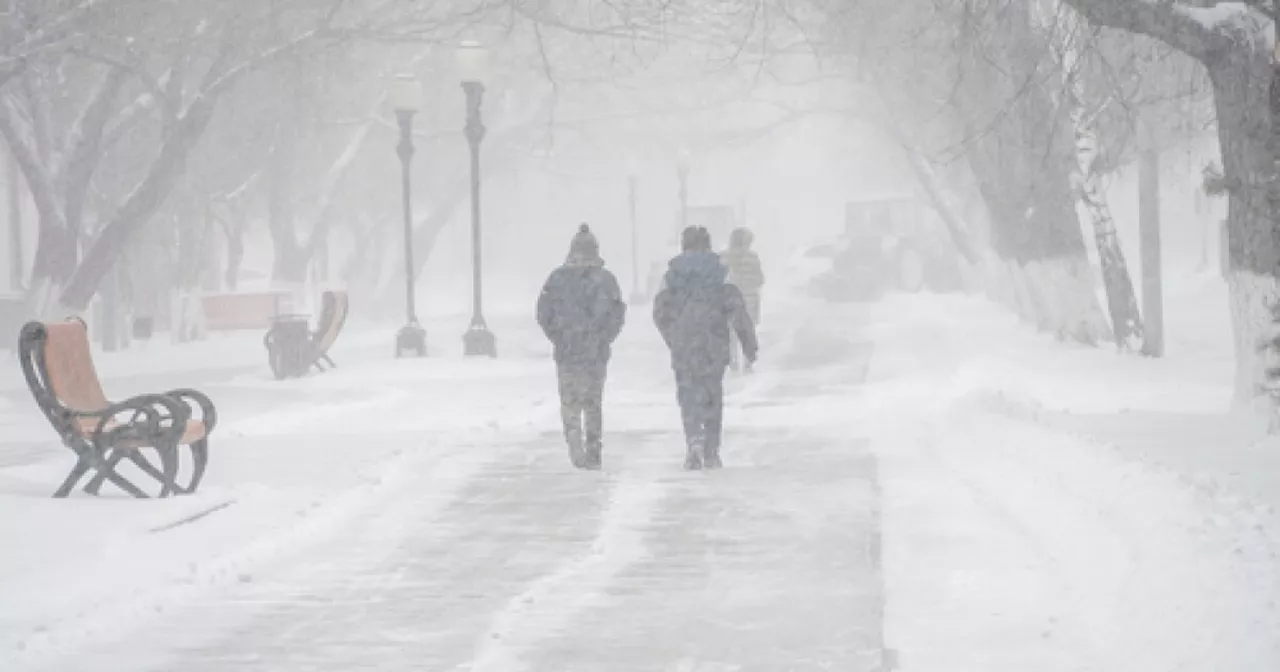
(693, 458)
(576, 454)
(591, 460)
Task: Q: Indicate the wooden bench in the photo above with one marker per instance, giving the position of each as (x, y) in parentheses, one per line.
(242, 310)
(333, 317)
(58, 366)
(292, 351)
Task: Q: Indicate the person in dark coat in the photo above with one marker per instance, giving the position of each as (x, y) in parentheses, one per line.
(694, 312)
(581, 311)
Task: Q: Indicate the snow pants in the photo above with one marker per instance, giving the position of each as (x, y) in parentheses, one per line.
(581, 403)
(701, 397)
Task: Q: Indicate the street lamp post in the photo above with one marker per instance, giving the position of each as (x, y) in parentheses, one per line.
(472, 66)
(682, 167)
(405, 98)
(637, 296)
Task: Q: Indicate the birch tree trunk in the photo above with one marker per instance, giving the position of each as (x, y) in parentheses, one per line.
(1240, 68)
(1122, 301)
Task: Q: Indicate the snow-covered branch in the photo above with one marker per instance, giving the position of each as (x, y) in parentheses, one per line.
(1193, 29)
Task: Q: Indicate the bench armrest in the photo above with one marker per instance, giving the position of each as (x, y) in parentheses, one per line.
(208, 414)
(148, 413)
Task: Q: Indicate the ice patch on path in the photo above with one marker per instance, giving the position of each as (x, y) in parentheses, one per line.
(550, 603)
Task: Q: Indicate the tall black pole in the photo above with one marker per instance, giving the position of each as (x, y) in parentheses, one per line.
(1149, 243)
(411, 337)
(478, 340)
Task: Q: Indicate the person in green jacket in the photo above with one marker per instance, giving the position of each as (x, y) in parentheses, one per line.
(746, 274)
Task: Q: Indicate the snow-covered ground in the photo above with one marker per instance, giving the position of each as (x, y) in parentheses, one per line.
(924, 474)
(1050, 507)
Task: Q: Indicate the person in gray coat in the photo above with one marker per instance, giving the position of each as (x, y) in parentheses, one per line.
(694, 312)
(580, 310)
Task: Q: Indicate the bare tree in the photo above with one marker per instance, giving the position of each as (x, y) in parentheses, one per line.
(1231, 41)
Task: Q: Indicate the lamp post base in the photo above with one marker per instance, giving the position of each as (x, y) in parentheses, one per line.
(479, 341)
(411, 338)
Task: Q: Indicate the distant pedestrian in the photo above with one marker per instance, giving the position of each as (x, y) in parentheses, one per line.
(747, 275)
(581, 311)
(694, 311)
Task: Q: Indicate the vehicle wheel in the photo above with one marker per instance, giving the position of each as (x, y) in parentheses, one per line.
(910, 271)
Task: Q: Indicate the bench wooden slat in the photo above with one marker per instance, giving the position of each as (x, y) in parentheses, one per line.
(73, 379)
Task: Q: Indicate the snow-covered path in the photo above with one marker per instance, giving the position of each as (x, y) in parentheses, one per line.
(884, 490)
(493, 554)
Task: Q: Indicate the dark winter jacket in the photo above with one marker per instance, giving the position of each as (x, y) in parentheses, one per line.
(695, 310)
(581, 311)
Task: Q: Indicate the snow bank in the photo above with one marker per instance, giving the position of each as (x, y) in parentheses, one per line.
(970, 347)
(1018, 538)
(1012, 547)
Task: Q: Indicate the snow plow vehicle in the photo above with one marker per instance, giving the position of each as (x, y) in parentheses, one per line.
(890, 243)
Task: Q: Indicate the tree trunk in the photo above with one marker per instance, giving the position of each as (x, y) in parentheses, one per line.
(233, 228)
(235, 257)
(1240, 84)
(1020, 149)
(289, 265)
(928, 179)
(56, 249)
(1034, 226)
(1241, 73)
(17, 260)
(1122, 301)
(56, 253)
(142, 204)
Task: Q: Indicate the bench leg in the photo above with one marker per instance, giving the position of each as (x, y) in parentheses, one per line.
(200, 457)
(166, 475)
(169, 464)
(107, 472)
(328, 361)
(77, 472)
(109, 467)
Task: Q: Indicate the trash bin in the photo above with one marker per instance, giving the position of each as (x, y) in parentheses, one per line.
(143, 328)
(288, 344)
